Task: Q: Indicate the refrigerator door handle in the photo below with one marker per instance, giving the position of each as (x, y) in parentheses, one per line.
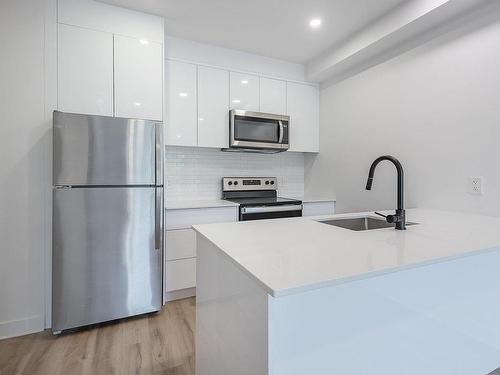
(159, 219)
(159, 154)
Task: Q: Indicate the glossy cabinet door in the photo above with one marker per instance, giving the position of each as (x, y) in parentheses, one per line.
(180, 244)
(180, 104)
(245, 91)
(85, 71)
(181, 274)
(302, 107)
(213, 107)
(138, 78)
(272, 96)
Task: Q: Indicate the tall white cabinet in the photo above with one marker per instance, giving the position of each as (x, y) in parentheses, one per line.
(110, 61)
(303, 109)
(180, 104)
(245, 91)
(138, 77)
(213, 107)
(85, 71)
(272, 96)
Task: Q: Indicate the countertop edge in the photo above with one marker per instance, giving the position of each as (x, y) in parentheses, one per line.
(266, 287)
(344, 280)
(317, 200)
(200, 204)
(282, 292)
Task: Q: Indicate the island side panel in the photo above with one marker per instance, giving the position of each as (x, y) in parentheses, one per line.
(231, 316)
(441, 319)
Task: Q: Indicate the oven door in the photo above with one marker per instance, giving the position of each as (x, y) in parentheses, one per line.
(258, 130)
(270, 212)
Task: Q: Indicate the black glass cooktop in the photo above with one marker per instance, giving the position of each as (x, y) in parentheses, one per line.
(268, 201)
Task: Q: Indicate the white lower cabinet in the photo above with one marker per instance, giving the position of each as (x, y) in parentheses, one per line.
(318, 208)
(180, 246)
(181, 274)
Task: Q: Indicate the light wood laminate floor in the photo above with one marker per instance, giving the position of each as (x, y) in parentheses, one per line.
(161, 343)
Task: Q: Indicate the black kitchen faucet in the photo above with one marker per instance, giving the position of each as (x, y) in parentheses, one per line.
(399, 218)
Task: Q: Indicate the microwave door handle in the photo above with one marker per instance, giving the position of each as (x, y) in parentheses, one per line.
(280, 140)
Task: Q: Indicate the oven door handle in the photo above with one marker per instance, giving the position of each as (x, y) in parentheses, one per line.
(265, 209)
(280, 140)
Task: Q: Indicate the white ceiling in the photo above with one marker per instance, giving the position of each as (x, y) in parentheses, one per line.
(273, 28)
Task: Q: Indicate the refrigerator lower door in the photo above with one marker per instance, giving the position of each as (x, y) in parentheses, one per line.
(105, 262)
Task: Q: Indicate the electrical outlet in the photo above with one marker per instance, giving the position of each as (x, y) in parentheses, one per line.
(476, 185)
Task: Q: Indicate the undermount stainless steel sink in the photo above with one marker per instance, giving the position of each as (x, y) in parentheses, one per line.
(360, 223)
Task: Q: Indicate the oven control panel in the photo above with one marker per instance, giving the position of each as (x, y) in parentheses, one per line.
(249, 183)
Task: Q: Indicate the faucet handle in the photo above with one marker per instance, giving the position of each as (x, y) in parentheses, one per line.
(391, 218)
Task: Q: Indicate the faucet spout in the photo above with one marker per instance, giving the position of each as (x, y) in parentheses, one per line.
(399, 218)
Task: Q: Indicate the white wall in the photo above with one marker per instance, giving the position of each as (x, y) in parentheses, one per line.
(195, 173)
(25, 173)
(436, 108)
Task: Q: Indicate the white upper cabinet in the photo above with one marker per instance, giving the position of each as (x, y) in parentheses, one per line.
(245, 91)
(95, 15)
(198, 100)
(272, 96)
(110, 60)
(180, 104)
(138, 78)
(302, 107)
(213, 107)
(85, 71)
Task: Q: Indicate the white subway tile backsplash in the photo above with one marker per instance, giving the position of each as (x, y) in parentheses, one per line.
(196, 173)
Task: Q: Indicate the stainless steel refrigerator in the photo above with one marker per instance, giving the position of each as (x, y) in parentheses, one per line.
(107, 219)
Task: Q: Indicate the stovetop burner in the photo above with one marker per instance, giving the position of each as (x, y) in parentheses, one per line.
(262, 201)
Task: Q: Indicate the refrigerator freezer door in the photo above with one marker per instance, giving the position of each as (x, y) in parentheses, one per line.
(103, 151)
(105, 264)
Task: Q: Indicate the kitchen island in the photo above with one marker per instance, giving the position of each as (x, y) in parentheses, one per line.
(298, 296)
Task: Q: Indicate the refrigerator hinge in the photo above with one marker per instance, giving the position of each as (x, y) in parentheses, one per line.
(63, 187)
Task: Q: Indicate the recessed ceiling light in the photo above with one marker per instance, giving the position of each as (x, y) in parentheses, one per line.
(236, 101)
(183, 94)
(143, 41)
(244, 81)
(315, 23)
(137, 104)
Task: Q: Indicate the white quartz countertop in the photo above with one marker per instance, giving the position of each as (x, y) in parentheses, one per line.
(211, 203)
(182, 205)
(298, 254)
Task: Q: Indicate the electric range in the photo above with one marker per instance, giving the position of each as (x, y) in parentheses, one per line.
(258, 198)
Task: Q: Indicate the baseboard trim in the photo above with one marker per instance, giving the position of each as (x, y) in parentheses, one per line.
(180, 294)
(20, 327)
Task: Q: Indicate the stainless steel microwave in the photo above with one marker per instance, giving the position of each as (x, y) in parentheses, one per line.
(258, 132)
